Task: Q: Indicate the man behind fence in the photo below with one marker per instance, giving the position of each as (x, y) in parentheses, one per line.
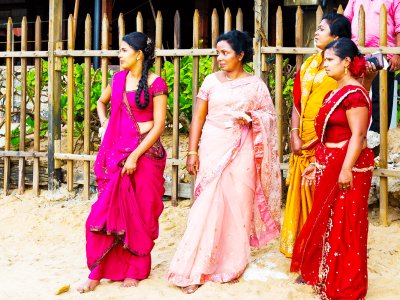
(372, 15)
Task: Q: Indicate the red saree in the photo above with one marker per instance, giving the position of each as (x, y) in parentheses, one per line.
(331, 250)
(123, 222)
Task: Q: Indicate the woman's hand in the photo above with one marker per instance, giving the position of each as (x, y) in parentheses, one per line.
(129, 165)
(297, 143)
(345, 181)
(192, 164)
(308, 176)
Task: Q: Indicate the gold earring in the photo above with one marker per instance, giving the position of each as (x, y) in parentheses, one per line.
(345, 70)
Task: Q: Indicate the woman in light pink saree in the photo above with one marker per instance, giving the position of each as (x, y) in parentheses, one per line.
(123, 222)
(238, 184)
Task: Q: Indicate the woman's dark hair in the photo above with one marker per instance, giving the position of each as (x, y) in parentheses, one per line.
(139, 41)
(345, 47)
(239, 41)
(338, 24)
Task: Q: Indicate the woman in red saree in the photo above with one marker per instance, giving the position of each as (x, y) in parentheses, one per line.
(331, 250)
(123, 222)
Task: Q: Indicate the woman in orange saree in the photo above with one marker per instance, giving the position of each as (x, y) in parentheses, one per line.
(310, 87)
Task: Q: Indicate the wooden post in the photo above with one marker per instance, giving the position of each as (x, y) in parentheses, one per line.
(383, 123)
(214, 37)
(121, 28)
(70, 106)
(278, 79)
(340, 9)
(299, 36)
(104, 46)
(195, 78)
(38, 89)
(175, 121)
(361, 27)
(8, 104)
(239, 20)
(318, 16)
(139, 22)
(54, 94)
(22, 126)
(260, 37)
(159, 29)
(86, 137)
(227, 20)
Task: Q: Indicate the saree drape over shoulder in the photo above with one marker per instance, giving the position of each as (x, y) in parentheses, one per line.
(123, 222)
(331, 250)
(310, 87)
(238, 187)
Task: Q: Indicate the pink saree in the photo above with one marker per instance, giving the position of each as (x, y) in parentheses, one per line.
(238, 187)
(123, 222)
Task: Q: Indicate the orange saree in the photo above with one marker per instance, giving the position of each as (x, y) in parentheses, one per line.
(313, 84)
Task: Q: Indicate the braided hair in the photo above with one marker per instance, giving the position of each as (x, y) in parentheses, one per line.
(140, 41)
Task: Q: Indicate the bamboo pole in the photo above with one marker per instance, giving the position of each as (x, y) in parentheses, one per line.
(239, 20)
(260, 37)
(299, 36)
(104, 46)
(22, 126)
(159, 28)
(121, 29)
(383, 114)
(139, 22)
(54, 95)
(86, 137)
(38, 83)
(75, 20)
(361, 27)
(195, 76)
(227, 20)
(278, 79)
(8, 103)
(318, 16)
(70, 106)
(214, 37)
(175, 120)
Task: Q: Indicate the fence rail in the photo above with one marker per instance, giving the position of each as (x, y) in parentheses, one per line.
(55, 53)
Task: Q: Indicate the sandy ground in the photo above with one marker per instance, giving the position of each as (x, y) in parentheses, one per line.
(42, 247)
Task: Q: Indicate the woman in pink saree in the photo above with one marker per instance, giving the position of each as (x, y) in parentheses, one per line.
(123, 222)
(238, 185)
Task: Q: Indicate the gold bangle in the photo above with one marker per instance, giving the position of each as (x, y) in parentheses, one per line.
(192, 153)
(294, 128)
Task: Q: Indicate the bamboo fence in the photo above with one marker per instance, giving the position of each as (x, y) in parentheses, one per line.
(55, 53)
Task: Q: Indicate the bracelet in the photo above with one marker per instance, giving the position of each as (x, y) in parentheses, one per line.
(102, 123)
(312, 163)
(192, 153)
(294, 128)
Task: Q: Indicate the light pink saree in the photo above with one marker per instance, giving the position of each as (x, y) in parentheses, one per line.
(238, 187)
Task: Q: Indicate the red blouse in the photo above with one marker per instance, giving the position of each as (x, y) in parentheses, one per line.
(158, 87)
(338, 129)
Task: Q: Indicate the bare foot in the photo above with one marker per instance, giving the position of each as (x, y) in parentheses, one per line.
(299, 280)
(88, 286)
(233, 281)
(190, 289)
(128, 282)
